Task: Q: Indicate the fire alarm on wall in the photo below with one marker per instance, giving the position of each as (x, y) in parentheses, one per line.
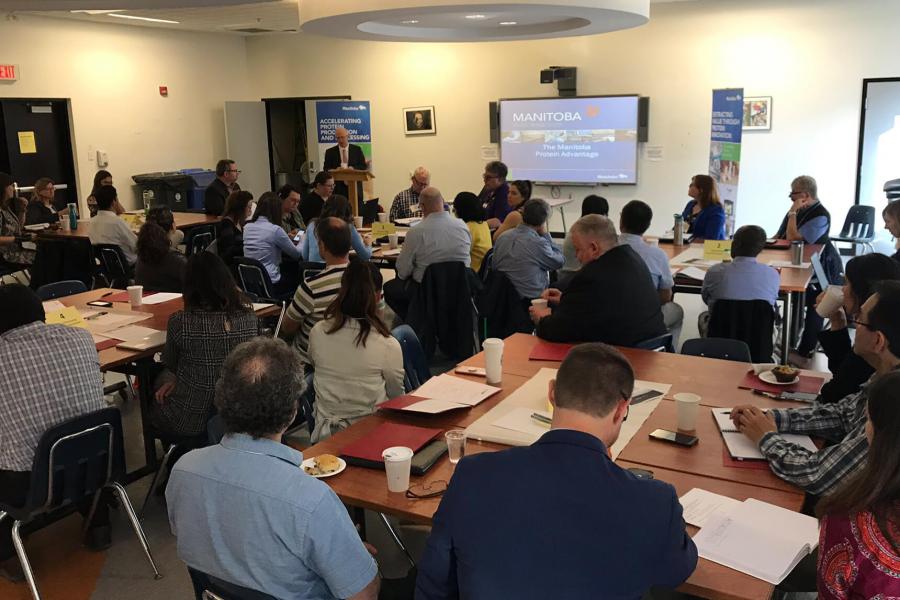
(163, 90)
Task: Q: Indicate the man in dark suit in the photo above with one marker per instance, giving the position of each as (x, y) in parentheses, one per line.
(559, 519)
(610, 299)
(342, 156)
(218, 191)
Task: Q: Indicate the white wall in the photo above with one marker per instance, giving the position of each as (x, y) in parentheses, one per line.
(810, 55)
(112, 74)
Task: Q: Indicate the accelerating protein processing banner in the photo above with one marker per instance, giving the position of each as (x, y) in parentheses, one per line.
(725, 148)
(354, 116)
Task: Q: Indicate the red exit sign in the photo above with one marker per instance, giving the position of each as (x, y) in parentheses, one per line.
(9, 73)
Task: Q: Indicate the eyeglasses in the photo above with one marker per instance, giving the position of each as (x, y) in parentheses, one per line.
(431, 489)
(861, 323)
(488, 177)
(233, 171)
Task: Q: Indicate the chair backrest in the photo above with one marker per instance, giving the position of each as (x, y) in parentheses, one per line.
(662, 343)
(723, 348)
(76, 458)
(212, 588)
(213, 247)
(200, 242)
(860, 222)
(502, 311)
(751, 321)
(415, 365)
(487, 263)
(215, 429)
(254, 278)
(892, 189)
(113, 261)
(442, 311)
(60, 289)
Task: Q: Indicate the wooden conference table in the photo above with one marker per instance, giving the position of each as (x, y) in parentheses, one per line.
(183, 220)
(685, 468)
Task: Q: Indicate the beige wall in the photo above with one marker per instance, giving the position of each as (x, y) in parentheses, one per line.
(112, 74)
(810, 55)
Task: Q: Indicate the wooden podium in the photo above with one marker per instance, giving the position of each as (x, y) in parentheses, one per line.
(351, 177)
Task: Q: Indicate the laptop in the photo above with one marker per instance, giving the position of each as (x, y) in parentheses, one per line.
(816, 261)
(154, 340)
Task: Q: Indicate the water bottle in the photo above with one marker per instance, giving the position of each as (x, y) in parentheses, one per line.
(678, 231)
(73, 216)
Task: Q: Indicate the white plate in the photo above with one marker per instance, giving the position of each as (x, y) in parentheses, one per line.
(769, 377)
(311, 462)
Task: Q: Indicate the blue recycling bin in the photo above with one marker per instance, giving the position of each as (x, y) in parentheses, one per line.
(201, 179)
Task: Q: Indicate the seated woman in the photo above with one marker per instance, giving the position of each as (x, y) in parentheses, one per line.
(705, 213)
(891, 216)
(519, 194)
(591, 205)
(159, 266)
(850, 370)
(336, 206)
(266, 241)
(230, 236)
(40, 207)
(468, 208)
(101, 178)
(215, 319)
(12, 219)
(859, 532)
(358, 364)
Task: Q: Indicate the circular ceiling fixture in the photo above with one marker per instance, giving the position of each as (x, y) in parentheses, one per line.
(118, 5)
(468, 20)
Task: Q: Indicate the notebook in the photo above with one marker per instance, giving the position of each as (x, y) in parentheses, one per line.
(757, 538)
(740, 447)
(154, 340)
(367, 451)
(550, 351)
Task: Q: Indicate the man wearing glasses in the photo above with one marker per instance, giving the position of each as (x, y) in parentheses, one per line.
(559, 519)
(406, 203)
(218, 191)
(494, 194)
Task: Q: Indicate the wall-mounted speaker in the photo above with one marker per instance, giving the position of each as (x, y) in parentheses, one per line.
(494, 122)
(643, 132)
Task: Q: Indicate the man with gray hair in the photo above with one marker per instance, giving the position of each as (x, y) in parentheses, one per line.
(245, 512)
(406, 203)
(610, 299)
(439, 237)
(526, 254)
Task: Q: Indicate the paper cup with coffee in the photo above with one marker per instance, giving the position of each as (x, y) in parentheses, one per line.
(382, 217)
(831, 301)
(135, 294)
(493, 360)
(539, 303)
(393, 240)
(397, 463)
(687, 406)
(358, 222)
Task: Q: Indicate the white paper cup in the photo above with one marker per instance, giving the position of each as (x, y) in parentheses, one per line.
(653, 241)
(831, 301)
(135, 294)
(358, 222)
(539, 303)
(393, 240)
(382, 217)
(493, 359)
(397, 462)
(687, 406)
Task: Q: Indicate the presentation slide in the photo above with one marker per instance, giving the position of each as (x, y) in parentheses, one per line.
(570, 140)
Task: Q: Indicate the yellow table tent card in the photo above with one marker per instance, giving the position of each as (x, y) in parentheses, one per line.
(717, 250)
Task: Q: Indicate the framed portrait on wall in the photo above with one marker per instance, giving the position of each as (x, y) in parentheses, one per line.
(757, 113)
(419, 120)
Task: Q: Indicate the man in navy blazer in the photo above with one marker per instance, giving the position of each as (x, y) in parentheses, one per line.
(558, 519)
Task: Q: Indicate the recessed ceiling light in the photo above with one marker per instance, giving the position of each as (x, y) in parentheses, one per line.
(136, 18)
(476, 17)
(96, 12)
(507, 22)
(410, 21)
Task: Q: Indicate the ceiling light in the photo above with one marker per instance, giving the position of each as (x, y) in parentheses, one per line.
(507, 22)
(475, 17)
(96, 12)
(410, 21)
(121, 16)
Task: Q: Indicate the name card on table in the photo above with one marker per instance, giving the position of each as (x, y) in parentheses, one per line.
(67, 316)
(383, 229)
(717, 250)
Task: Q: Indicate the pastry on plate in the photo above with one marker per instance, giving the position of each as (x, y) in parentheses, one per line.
(323, 465)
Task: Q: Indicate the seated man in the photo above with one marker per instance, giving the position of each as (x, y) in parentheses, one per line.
(743, 278)
(439, 237)
(406, 203)
(291, 221)
(602, 533)
(316, 292)
(610, 299)
(245, 512)
(107, 227)
(526, 254)
(50, 374)
(843, 423)
(633, 222)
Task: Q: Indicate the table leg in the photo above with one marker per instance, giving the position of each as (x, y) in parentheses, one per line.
(786, 328)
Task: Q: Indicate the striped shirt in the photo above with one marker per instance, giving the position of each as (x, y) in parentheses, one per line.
(311, 299)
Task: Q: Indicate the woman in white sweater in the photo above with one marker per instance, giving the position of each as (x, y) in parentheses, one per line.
(358, 364)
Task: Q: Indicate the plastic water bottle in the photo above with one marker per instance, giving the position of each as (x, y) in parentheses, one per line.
(73, 216)
(678, 230)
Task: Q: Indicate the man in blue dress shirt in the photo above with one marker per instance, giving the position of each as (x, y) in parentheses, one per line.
(559, 519)
(245, 512)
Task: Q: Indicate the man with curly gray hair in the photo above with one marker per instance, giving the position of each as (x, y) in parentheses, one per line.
(244, 512)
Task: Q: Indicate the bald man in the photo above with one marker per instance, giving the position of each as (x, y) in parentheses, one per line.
(406, 203)
(439, 237)
(343, 156)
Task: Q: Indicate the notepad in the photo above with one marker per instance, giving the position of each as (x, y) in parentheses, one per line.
(757, 538)
(692, 273)
(440, 394)
(741, 447)
(160, 297)
(699, 506)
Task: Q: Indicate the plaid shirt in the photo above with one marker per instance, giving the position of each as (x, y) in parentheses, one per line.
(843, 423)
(50, 373)
(402, 208)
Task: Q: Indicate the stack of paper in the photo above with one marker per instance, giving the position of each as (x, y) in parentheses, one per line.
(442, 393)
(692, 273)
(740, 447)
(160, 297)
(786, 264)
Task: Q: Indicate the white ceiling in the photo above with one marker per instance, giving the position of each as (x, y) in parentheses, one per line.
(229, 16)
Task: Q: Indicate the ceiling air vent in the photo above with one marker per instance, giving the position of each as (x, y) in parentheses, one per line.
(253, 30)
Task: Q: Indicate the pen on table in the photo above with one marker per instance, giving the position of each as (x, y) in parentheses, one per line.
(99, 314)
(541, 418)
(107, 294)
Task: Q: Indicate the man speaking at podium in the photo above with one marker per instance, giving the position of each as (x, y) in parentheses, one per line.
(342, 156)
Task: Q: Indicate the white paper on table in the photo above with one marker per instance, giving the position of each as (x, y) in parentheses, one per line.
(693, 273)
(433, 406)
(160, 297)
(531, 395)
(130, 333)
(786, 264)
(699, 506)
(689, 256)
(519, 419)
(391, 252)
(53, 306)
(408, 221)
(456, 390)
(98, 338)
(98, 321)
(258, 306)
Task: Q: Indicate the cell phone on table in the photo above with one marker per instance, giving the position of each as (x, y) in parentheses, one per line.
(476, 371)
(100, 303)
(682, 439)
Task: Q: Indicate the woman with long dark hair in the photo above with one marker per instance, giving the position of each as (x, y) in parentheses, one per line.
(159, 266)
(859, 536)
(230, 236)
(358, 364)
(891, 216)
(468, 207)
(704, 213)
(101, 178)
(519, 194)
(216, 318)
(336, 206)
(266, 241)
(12, 219)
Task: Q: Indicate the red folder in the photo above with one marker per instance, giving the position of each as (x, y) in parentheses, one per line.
(401, 402)
(550, 351)
(807, 384)
(386, 435)
(106, 344)
(122, 296)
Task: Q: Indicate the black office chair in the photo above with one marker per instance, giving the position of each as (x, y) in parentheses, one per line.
(662, 343)
(114, 266)
(172, 444)
(487, 263)
(859, 227)
(73, 463)
(201, 237)
(751, 321)
(415, 365)
(254, 279)
(59, 289)
(207, 587)
(723, 348)
(892, 189)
